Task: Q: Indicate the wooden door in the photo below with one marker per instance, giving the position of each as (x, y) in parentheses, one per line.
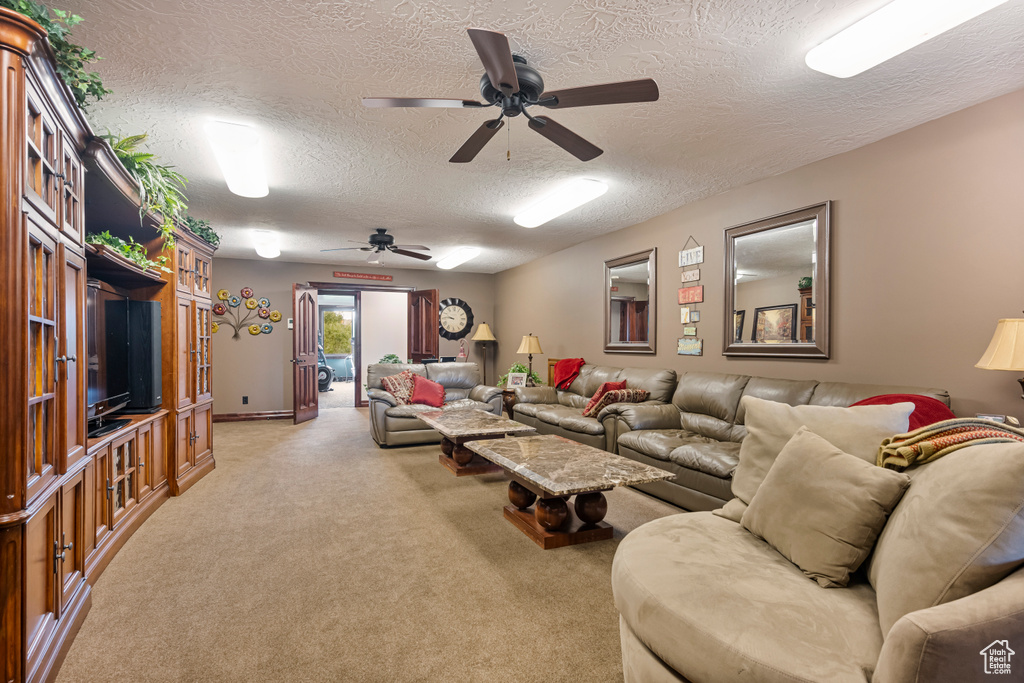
(424, 341)
(183, 443)
(202, 432)
(201, 342)
(304, 357)
(156, 465)
(43, 309)
(71, 187)
(183, 267)
(145, 456)
(184, 338)
(41, 590)
(71, 567)
(101, 496)
(71, 371)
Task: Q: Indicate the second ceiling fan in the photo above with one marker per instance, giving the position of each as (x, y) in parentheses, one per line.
(513, 86)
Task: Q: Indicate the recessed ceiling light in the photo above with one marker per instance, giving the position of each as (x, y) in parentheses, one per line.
(893, 29)
(566, 198)
(239, 154)
(458, 257)
(266, 244)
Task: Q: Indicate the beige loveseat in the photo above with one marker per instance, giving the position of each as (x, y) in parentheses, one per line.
(560, 412)
(940, 599)
(395, 425)
(697, 436)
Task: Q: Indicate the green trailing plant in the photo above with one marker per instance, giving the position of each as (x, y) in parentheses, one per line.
(202, 230)
(160, 187)
(390, 358)
(519, 367)
(131, 250)
(71, 59)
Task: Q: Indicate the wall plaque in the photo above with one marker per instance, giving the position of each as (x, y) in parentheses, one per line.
(363, 276)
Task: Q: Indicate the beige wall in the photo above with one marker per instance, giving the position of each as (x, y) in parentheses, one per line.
(384, 328)
(928, 238)
(259, 366)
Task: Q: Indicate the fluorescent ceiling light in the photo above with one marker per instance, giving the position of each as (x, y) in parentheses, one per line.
(564, 199)
(893, 29)
(458, 257)
(239, 153)
(266, 245)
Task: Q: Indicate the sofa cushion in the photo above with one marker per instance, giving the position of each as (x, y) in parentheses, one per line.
(823, 508)
(660, 383)
(846, 394)
(716, 603)
(414, 409)
(958, 530)
(708, 401)
(377, 371)
(717, 458)
(582, 425)
(657, 443)
(770, 425)
(400, 386)
(427, 392)
(454, 375)
(591, 377)
(553, 414)
(567, 398)
(528, 409)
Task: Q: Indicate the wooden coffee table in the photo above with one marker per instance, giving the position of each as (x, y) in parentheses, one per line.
(548, 470)
(459, 426)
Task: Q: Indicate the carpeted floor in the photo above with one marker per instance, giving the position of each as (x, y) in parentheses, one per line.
(311, 555)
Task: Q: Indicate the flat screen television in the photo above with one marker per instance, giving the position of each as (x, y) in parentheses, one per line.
(107, 333)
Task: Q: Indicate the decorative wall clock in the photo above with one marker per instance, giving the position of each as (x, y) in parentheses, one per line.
(455, 319)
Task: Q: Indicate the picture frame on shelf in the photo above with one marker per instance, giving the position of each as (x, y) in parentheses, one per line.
(516, 379)
(774, 324)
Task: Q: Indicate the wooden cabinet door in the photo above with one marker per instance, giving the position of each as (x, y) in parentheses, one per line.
(183, 444)
(185, 351)
(202, 432)
(124, 479)
(71, 567)
(157, 462)
(71, 188)
(202, 343)
(41, 600)
(43, 274)
(146, 455)
(42, 143)
(71, 371)
(200, 274)
(183, 267)
(102, 489)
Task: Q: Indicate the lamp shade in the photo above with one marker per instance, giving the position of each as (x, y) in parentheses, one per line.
(483, 333)
(530, 344)
(1006, 350)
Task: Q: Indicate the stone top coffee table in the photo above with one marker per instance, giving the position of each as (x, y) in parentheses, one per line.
(548, 469)
(459, 426)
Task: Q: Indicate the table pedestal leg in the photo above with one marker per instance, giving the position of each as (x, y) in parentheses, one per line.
(520, 496)
(463, 462)
(551, 524)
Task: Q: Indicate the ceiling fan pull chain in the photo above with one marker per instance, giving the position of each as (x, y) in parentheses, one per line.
(508, 151)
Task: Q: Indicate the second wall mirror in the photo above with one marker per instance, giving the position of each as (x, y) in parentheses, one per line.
(630, 304)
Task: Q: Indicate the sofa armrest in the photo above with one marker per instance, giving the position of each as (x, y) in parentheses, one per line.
(536, 395)
(483, 393)
(381, 395)
(616, 409)
(649, 415)
(945, 642)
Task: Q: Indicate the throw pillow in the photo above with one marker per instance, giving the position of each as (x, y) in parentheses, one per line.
(427, 392)
(616, 396)
(601, 391)
(823, 508)
(927, 410)
(400, 386)
(858, 431)
(959, 530)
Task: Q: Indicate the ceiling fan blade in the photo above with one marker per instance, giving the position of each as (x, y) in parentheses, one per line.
(565, 138)
(476, 141)
(420, 102)
(403, 252)
(496, 55)
(341, 249)
(409, 246)
(644, 90)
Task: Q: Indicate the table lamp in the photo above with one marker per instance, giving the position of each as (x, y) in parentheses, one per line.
(530, 345)
(484, 334)
(1006, 350)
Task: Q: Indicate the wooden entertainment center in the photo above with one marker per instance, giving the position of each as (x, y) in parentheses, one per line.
(67, 502)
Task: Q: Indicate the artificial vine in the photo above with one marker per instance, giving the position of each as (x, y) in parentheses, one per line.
(131, 250)
(202, 230)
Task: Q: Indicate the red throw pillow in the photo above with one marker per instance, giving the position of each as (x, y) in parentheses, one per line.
(601, 391)
(427, 392)
(927, 410)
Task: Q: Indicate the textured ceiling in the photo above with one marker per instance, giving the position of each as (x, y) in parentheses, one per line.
(737, 104)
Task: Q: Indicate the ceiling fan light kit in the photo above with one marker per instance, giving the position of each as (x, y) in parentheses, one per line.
(458, 257)
(573, 194)
(239, 153)
(266, 244)
(513, 86)
(890, 31)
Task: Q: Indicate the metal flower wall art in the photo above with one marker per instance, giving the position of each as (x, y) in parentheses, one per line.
(244, 312)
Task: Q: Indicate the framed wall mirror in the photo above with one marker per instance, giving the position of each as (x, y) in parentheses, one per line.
(777, 286)
(630, 303)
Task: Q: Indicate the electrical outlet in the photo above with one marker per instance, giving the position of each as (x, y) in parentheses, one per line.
(245, 400)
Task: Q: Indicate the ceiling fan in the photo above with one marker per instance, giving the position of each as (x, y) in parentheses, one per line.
(513, 86)
(381, 242)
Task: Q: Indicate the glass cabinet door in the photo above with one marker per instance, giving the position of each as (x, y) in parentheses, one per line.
(41, 143)
(41, 451)
(202, 346)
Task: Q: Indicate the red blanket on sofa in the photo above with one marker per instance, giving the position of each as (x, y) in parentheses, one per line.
(567, 370)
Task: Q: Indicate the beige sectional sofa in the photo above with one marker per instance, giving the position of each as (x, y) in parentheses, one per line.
(560, 412)
(395, 425)
(697, 435)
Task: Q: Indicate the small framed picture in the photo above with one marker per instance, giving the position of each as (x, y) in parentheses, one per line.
(691, 257)
(690, 347)
(691, 275)
(516, 379)
(694, 316)
(690, 331)
(684, 315)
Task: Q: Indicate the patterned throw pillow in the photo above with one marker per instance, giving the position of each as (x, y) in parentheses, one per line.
(617, 396)
(601, 391)
(400, 386)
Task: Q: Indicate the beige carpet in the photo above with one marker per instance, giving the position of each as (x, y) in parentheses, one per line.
(311, 555)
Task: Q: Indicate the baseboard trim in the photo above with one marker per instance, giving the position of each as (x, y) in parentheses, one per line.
(262, 415)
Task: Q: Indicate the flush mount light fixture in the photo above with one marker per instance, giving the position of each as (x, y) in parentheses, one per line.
(566, 198)
(893, 29)
(266, 244)
(239, 153)
(458, 257)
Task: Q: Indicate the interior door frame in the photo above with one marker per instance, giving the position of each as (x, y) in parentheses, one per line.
(341, 288)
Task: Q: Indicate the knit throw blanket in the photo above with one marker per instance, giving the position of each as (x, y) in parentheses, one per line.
(936, 440)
